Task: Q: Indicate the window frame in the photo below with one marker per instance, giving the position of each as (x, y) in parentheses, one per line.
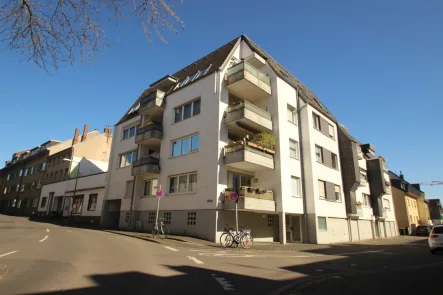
(177, 183)
(180, 141)
(329, 131)
(334, 160)
(339, 193)
(182, 110)
(297, 179)
(389, 204)
(325, 224)
(324, 189)
(367, 201)
(128, 128)
(78, 210)
(316, 121)
(321, 154)
(294, 118)
(43, 202)
(292, 141)
(89, 201)
(121, 156)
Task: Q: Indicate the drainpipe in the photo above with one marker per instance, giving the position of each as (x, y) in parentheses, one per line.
(303, 180)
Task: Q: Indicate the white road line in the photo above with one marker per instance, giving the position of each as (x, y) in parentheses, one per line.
(195, 260)
(224, 283)
(9, 253)
(44, 239)
(47, 230)
(172, 249)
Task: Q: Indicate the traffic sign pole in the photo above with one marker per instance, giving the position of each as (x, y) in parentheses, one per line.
(236, 215)
(159, 194)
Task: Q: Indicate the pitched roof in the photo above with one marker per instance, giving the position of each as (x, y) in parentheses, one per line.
(216, 60)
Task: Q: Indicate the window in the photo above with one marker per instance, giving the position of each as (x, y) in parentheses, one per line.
(321, 189)
(402, 185)
(316, 119)
(363, 174)
(185, 183)
(32, 170)
(129, 186)
(186, 111)
(66, 173)
(55, 175)
(167, 217)
(13, 202)
(92, 203)
(410, 218)
(292, 115)
(334, 161)
(77, 205)
(322, 223)
(17, 188)
(270, 220)
(185, 145)
(293, 149)
(295, 186)
(34, 202)
(43, 203)
(8, 177)
(128, 158)
(129, 132)
(22, 188)
(20, 173)
(366, 200)
(331, 131)
(127, 217)
(319, 154)
(337, 193)
(244, 180)
(26, 172)
(192, 218)
(407, 200)
(28, 205)
(151, 217)
(19, 203)
(44, 166)
(149, 186)
(386, 204)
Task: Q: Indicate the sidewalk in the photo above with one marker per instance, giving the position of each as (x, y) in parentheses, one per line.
(183, 241)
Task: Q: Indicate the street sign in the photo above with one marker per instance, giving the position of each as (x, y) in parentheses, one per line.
(159, 193)
(233, 196)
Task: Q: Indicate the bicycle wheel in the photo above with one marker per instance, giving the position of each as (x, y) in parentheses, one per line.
(155, 232)
(163, 233)
(247, 241)
(227, 240)
(222, 239)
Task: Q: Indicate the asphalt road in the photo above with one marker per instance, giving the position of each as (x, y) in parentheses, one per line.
(40, 258)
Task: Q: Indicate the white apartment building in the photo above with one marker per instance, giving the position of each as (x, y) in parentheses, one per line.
(367, 189)
(194, 135)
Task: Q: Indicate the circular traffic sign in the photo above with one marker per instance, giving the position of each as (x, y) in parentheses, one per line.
(159, 193)
(233, 196)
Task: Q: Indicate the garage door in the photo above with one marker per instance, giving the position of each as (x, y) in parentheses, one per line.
(365, 228)
(354, 230)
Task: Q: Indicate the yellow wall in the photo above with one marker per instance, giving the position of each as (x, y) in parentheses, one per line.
(412, 207)
(401, 211)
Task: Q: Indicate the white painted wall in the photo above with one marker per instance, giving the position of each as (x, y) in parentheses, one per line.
(367, 210)
(58, 188)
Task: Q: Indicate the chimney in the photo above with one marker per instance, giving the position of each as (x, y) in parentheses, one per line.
(76, 134)
(402, 176)
(107, 132)
(85, 132)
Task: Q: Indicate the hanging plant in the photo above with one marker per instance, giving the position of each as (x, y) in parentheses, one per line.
(265, 140)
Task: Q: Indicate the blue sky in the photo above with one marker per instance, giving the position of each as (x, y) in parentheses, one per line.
(377, 65)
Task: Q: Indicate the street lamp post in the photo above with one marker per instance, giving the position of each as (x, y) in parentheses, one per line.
(76, 180)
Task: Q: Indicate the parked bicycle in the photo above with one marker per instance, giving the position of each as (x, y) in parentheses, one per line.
(242, 237)
(159, 229)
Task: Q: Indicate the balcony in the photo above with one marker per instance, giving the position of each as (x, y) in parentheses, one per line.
(363, 182)
(146, 166)
(150, 135)
(248, 116)
(251, 199)
(153, 104)
(247, 82)
(383, 166)
(249, 156)
(360, 210)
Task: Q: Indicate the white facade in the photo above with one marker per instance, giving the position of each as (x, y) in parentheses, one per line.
(287, 206)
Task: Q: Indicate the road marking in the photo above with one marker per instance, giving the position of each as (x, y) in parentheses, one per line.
(47, 230)
(172, 249)
(9, 253)
(224, 283)
(195, 260)
(44, 239)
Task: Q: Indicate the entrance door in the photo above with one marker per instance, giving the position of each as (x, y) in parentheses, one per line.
(289, 238)
(296, 229)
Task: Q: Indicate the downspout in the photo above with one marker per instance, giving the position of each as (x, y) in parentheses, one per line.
(133, 185)
(303, 179)
(67, 182)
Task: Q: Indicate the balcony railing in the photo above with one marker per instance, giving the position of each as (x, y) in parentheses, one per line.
(150, 135)
(153, 103)
(248, 82)
(245, 115)
(149, 165)
(252, 199)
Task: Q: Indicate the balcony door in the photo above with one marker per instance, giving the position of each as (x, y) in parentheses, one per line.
(244, 180)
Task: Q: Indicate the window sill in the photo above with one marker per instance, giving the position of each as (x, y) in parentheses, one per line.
(180, 194)
(328, 166)
(293, 123)
(173, 123)
(192, 152)
(328, 136)
(298, 197)
(294, 158)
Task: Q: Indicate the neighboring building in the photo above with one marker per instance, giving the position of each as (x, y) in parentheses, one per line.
(407, 198)
(436, 211)
(234, 120)
(423, 209)
(74, 180)
(367, 192)
(24, 176)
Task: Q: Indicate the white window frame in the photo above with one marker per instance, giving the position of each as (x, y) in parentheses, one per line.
(324, 189)
(293, 118)
(339, 193)
(154, 184)
(321, 154)
(389, 204)
(333, 131)
(326, 223)
(128, 128)
(192, 218)
(35, 203)
(367, 201)
(122, 156)
(188, 184)
(182, 107)
(180, 140)
(295, 143)
(316, 120)
(297, 182)
(403, 186)
(334, 156)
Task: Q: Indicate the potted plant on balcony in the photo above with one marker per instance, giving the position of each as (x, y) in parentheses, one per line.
(264, 141)
(228, 191)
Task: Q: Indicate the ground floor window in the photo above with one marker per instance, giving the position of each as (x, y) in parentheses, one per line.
(322, 223)
(77, 205)
(192, 218)
(43, 203)
(92, 203)
(270, 220)
(35, 203)
(19, 203)
(151, 217)
(167, 217)
(127, 217)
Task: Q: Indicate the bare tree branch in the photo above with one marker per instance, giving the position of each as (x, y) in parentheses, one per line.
(50, 32)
